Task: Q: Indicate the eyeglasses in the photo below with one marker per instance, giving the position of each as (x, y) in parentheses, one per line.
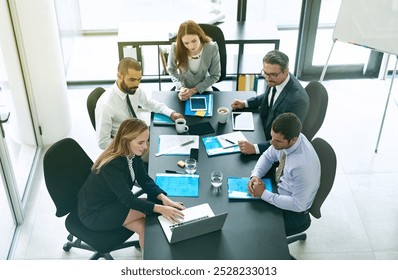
(270, 75)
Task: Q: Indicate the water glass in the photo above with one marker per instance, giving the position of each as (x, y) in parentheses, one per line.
(216, 179)
(190, 166)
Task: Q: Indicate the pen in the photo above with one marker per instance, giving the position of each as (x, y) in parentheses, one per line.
(175, 172)
(229, 141)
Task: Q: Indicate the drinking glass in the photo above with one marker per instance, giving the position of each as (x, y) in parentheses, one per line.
(190, 166)
(216, 179)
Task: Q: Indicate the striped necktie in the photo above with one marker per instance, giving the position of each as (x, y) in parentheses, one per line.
(279, 169)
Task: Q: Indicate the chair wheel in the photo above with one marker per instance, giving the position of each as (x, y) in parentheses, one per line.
(66, 247)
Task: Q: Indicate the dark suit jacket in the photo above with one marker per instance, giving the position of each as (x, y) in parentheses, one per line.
(112, 185)
(293, 98)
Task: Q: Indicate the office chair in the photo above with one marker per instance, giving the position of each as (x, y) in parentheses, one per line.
(318, 105)
(217, 35)
(92, 103)
(327, 158)
(66, 167)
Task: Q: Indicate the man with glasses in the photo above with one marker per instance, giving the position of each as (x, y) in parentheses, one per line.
(283, 93)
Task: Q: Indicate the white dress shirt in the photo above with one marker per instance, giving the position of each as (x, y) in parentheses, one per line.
(279, 89)
(300, 179)
(112, 110)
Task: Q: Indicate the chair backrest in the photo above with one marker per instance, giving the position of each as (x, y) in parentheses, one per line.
(217, 35)
(66, 167)
(92, 103)
(328, 160)
(317, 111)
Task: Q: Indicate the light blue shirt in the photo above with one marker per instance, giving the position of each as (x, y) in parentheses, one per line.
(299, 183)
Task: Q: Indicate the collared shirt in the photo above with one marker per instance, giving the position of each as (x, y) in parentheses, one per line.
(279, 89)
(300, 179)
(112, 110)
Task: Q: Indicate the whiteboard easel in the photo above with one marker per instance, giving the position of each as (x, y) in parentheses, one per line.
(371, 24)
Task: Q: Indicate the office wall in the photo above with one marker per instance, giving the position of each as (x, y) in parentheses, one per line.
(38, 42)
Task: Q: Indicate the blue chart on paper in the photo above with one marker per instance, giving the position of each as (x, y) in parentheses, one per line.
(178, 184)
(237, 187)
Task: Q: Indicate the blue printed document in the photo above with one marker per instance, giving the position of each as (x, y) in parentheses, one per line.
(178, 184)
(160, 119)
(223, 144)
(237, 187)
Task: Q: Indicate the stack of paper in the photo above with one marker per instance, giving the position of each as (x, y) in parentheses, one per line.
(177, 144)
(221, 144)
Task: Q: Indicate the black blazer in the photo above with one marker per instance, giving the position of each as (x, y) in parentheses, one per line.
(293, 98)
(113, 185)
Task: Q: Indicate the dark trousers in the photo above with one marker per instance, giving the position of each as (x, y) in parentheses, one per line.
(295, 222)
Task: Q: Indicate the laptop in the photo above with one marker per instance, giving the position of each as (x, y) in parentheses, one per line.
(198, 220)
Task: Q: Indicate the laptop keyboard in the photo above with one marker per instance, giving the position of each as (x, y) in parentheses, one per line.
(188, 222)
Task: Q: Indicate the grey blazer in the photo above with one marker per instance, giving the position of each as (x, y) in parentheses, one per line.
(208, 74)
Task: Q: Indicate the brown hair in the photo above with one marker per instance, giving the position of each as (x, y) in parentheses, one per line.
(128, 63)
(188, 27)
(120, 145)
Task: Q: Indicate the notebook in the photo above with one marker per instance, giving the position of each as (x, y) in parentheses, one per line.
(237, 187)
(160, 119)
(198, 220)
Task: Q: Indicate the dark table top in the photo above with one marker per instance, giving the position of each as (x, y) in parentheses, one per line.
(253, 229)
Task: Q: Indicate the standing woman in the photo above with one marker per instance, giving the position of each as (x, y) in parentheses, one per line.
(194, 61)
(106, 200)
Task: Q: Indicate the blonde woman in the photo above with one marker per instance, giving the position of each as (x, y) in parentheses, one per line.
(194, 61)
(106, 200)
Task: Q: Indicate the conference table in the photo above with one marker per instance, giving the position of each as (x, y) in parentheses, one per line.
(253, 229)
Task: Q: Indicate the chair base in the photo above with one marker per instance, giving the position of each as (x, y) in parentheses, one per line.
(297, 237)
(77, 243)
(294, 238)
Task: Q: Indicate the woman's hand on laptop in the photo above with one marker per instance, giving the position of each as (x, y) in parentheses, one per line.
(170, 209)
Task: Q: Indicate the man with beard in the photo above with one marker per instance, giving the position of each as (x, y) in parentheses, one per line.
(113, 108)
(283, 93)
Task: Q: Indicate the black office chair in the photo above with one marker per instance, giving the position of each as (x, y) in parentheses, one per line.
(66, 167)
(217, 35)
(327, 158)
(318, 105)
(92, 103)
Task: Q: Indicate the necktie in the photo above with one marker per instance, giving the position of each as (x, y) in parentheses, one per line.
(130, 106)
(272, 97)
(279, 169)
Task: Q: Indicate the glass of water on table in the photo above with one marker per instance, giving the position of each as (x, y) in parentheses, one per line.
(216, 179)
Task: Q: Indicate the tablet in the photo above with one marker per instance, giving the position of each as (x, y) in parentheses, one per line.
(242, 121)
(198, 103)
